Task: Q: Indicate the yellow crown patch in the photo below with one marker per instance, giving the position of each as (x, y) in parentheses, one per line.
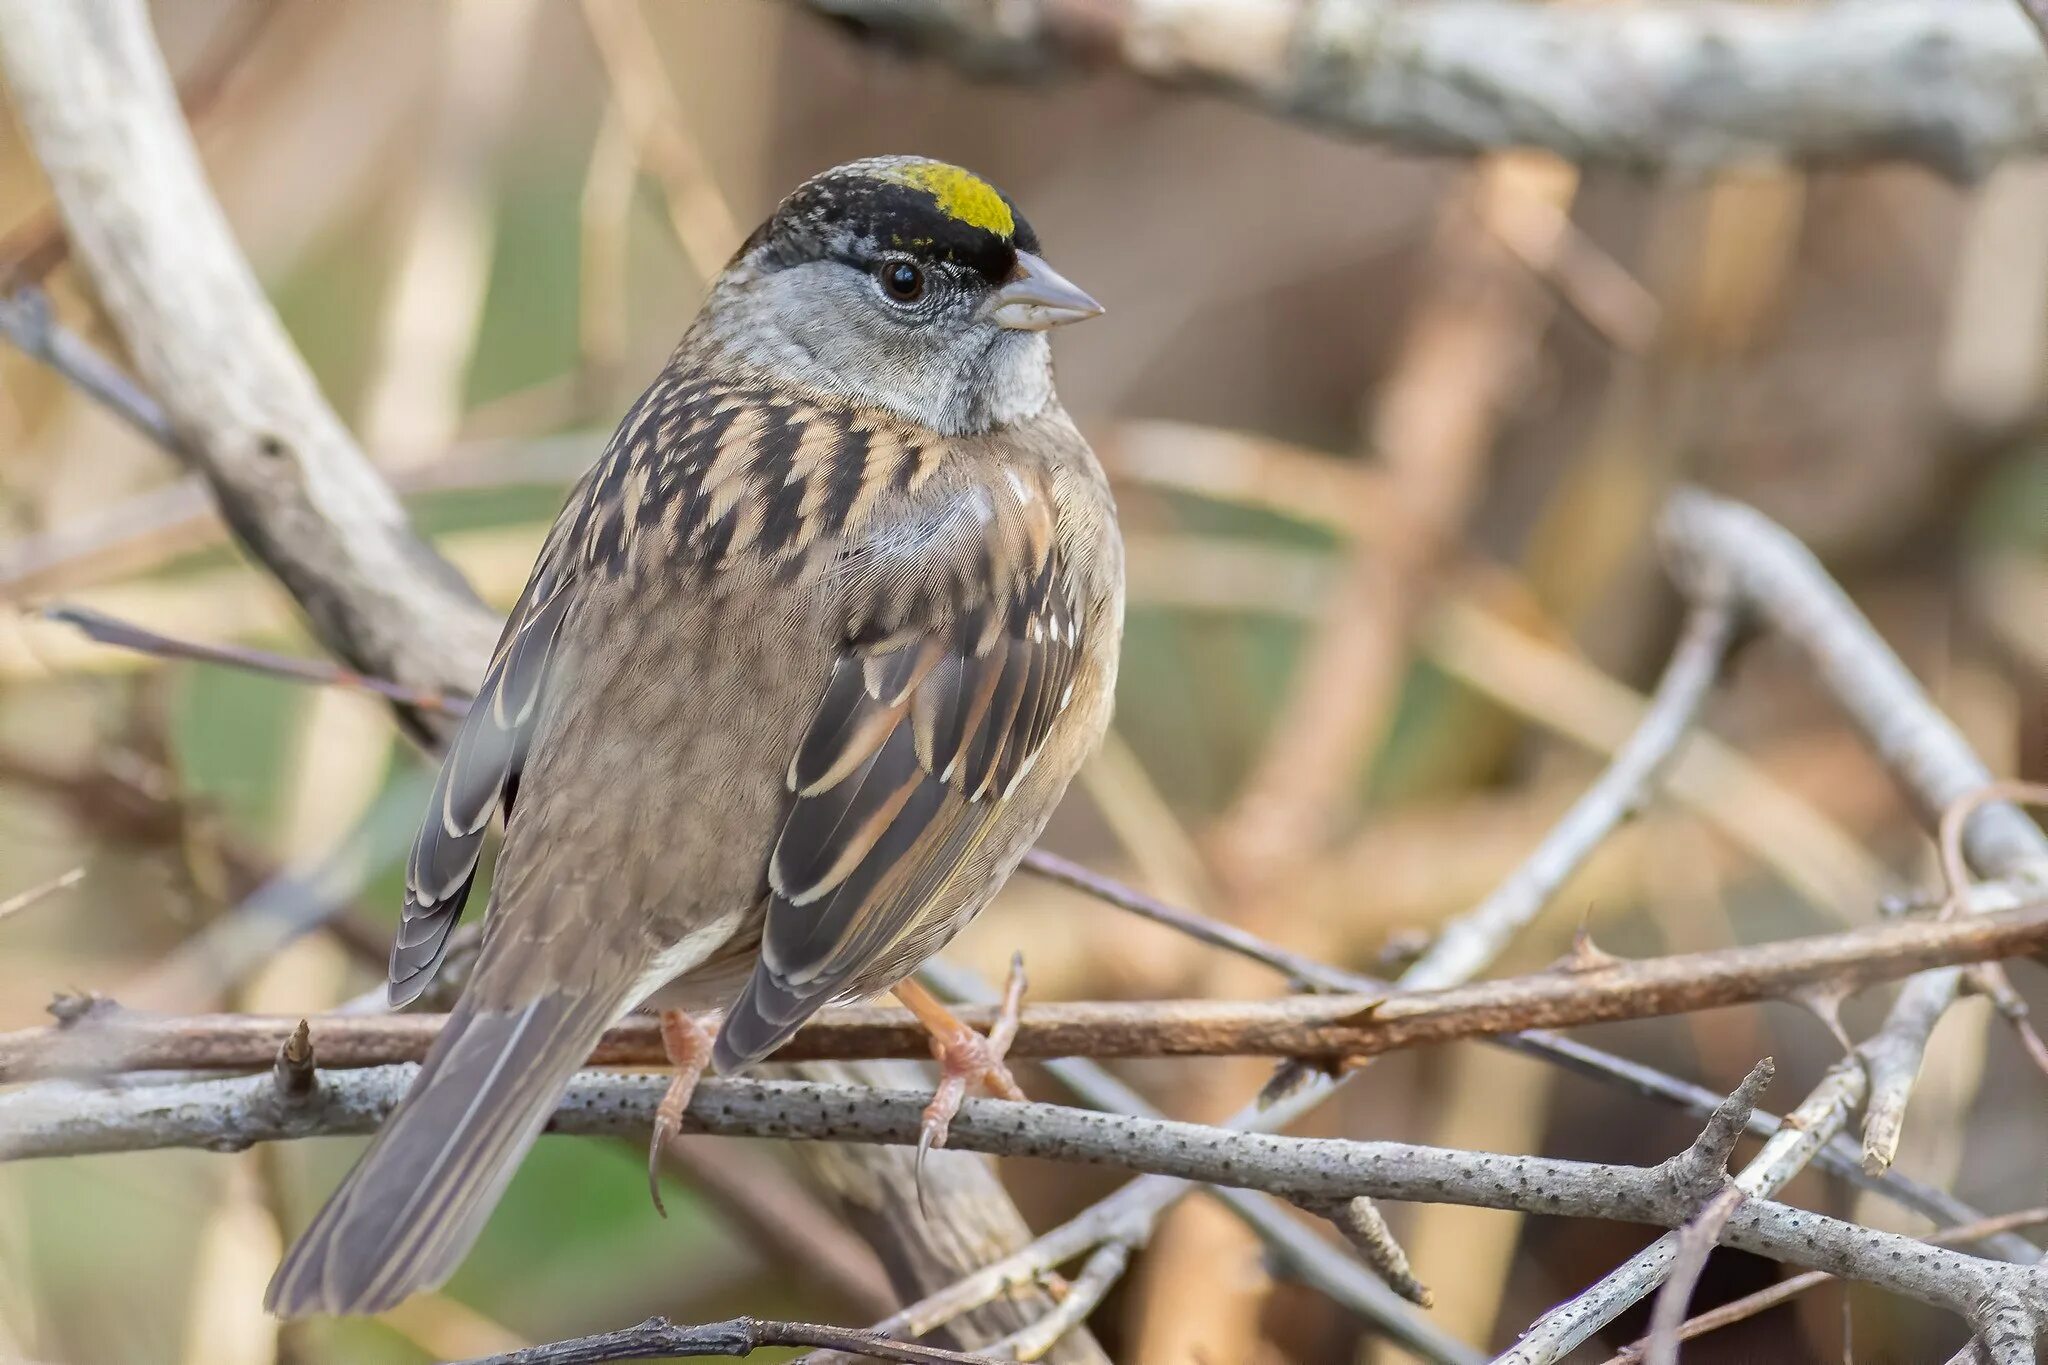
(960, 194)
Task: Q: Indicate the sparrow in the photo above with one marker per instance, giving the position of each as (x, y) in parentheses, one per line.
(800, 673)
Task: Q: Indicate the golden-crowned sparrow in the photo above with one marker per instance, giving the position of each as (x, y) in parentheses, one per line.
(802, 669)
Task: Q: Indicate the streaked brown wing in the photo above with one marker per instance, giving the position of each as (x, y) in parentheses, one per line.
(921, 733)
(479, 773)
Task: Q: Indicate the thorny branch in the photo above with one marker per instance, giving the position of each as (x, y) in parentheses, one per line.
(1785, 588)
(1838, 1156)
(1312, 1172)
(1326, 1028)
(327, 527)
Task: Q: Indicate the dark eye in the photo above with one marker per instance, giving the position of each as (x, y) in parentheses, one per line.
(903, 280)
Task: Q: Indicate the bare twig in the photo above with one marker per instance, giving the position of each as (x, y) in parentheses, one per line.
(1084, 1294)
(90, 91)
(1695, 1243)
(1365, 1227)
(59, 1117)
(1317, 1027)
(1948, 837)
(1467, 944)
(1294, 1249)
(1694, 85)
(293, 1071)
(27, 322)
(112, 631)
(1838, 1156)
(1892, 1057)
(32, 251)
(1780, 580)
(735, 1337)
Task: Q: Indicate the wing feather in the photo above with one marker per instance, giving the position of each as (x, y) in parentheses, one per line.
(476, 779)
(919, 735)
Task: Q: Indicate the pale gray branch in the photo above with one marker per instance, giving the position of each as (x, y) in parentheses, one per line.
(1712, 541)
(1953, 84)
(90, 90)
(64, 1117)
(1780, 581)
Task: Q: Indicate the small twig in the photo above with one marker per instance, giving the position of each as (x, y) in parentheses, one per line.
(1323, 1027)
(41, 891)
(1788, 590)
(658, 1337)
(1690, 86)
(1784, 587)
(1295, 1250)
(1990, 980)
(1085, 1293)
(1838, 1156)
(63, 1118)
(1365, 1227)
(293, 1071)
(1891, 1057)
(1955, 870)
(1467, 944)
(110, 630)
(27, 322)
(1695, 1243)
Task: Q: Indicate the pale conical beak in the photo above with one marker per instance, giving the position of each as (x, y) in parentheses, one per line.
(1038, 297)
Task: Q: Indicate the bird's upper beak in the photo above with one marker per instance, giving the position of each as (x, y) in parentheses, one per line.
(1037, 297)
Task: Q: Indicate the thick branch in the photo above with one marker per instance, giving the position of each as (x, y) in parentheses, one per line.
(59, 1117)
(1954, 84)
(1781, 581)
(91, 92)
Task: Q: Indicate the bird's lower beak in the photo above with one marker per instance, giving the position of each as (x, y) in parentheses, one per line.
(1037, 297)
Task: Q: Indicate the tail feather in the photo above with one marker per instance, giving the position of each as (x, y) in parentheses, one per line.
(413, 1206)
(762, 1019)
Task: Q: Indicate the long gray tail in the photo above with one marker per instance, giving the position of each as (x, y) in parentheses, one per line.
(412, 1207)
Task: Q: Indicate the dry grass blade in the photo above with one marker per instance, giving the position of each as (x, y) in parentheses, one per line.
(42, 891)
(1695, 1244)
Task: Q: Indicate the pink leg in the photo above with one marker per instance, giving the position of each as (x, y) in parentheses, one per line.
(688, 1045)
(964, 1056)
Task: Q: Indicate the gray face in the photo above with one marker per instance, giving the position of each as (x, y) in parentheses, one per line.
(918, 344)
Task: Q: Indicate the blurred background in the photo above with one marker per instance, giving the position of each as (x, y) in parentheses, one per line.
(1389, 437)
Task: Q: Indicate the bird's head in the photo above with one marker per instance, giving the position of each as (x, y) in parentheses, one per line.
(902, 282)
